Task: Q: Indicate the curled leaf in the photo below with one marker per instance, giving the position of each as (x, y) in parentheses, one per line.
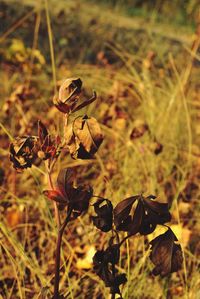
(104, 262)
(166, 255)
(103, 209)
(83, 137)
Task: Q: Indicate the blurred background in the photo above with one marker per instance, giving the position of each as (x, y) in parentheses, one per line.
(142, 58)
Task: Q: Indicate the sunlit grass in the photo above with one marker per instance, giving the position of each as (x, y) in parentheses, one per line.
(160, 92)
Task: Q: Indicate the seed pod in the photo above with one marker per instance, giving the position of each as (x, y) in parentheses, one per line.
(83, 137)
(22, 152)
(68, 99)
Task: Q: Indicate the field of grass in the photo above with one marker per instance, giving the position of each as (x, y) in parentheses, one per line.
(144, 64)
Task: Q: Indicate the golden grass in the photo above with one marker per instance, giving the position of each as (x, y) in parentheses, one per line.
(162, 93)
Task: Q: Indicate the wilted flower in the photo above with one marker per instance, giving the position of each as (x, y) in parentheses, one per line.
(22, 152)
(68, 99)
(47, 147)
(144, 218)
(104, 209)
(75, 198)
(83, 137)
(166, 254)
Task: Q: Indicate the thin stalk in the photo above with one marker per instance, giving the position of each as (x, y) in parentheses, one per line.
(56, 211)
(50, 34)
(58, 249)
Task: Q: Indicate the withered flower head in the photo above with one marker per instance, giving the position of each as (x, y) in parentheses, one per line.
(83, 137)
(47, 148)
(68, 99)
(22, 152)
(75, 198)
(166, 254)
(143, 218)
(104, 214)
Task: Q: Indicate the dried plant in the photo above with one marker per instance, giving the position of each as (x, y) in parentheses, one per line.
(136, 214)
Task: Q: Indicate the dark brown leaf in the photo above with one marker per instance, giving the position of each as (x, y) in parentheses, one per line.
(141, 219)
(105, 262)
(103, 209)
(76, 198)
(122, 210)
(166, 255)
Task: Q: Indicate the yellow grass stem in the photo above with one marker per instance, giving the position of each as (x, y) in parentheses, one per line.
(50, 35)
(35, 41)
(14, 266)
(128, 263)
(6, 132)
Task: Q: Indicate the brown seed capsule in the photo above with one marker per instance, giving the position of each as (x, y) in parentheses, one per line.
(68, 99)
(22, 152)
(83, 137)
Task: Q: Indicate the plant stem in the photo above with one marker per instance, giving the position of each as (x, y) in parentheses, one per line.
(57, 215)
(56, 211)
(58, 249)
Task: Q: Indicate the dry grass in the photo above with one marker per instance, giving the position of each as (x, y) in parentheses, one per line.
(132, 86)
